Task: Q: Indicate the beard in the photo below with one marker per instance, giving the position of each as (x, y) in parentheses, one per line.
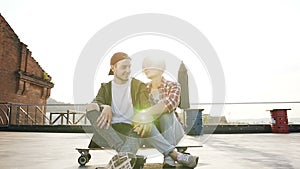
(123, 77)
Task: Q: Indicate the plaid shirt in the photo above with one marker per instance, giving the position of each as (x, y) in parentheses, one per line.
(168, 93)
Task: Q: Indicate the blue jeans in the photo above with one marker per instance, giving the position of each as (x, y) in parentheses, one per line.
(168, 135)
(131, 143)
(170, 128)
(121, 141)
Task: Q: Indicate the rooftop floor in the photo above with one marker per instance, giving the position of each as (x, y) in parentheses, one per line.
(31, 150)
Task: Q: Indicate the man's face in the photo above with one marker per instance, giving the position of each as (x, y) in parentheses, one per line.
(122, 69)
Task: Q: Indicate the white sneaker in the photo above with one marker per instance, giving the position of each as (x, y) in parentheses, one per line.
(187, 160)
(169, 162)
(120, 161)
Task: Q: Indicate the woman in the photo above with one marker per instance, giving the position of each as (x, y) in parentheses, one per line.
(165, 95)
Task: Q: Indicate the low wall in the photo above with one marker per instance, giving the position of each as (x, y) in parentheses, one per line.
(49, 128)
(207, 129)
(231, 129)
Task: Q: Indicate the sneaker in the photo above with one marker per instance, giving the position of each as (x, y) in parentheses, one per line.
(187, 160)
(121, 161)
(169, 162)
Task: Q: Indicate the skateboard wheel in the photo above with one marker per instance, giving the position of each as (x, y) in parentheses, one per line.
(89, 156)
(181, 149)
(82, 160)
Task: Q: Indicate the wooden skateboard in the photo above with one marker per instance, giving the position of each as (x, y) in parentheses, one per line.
(85, 155)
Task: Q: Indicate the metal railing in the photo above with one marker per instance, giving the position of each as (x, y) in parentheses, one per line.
(45, 114)
(70, 117)
(4, 114)
(74, 114)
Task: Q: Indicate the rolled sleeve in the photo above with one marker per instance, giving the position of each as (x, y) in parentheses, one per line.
(172, 98)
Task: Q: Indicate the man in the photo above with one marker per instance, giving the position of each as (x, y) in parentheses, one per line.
(118, 100)
(122, 100)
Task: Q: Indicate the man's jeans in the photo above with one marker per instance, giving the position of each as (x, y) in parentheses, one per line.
(117, 140)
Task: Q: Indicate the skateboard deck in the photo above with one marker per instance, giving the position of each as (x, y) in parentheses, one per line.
(85, 156)
(155, 166)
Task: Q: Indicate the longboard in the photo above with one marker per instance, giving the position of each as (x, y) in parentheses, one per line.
(85, 156)
(154, 166)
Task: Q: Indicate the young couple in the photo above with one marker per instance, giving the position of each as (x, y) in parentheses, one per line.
(126, 111)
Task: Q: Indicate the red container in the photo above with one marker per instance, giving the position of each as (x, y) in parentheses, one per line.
(280, 122)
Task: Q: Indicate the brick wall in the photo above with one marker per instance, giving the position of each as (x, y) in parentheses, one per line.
(9, 61)
(21, 77)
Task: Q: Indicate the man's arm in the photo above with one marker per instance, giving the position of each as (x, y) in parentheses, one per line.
(142, 124)
(100, 104)
(98, 101)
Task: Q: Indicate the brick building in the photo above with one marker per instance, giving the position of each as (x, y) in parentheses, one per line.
(22, 80)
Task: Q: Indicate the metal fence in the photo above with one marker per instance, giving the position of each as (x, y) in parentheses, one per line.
(74, 114)
(48, 114)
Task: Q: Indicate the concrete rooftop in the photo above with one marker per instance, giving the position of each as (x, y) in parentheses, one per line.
(28, 150)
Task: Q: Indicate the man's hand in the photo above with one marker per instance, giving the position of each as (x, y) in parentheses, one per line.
(105, 117)
(142, 123)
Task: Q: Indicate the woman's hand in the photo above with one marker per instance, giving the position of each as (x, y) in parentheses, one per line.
(143, 129)
(142, 123)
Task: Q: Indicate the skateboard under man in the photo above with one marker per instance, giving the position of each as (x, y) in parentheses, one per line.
(85, 156)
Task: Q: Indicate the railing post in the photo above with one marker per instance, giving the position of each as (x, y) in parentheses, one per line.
(50, 122)
(9, 114)
(68, 115)
(26, 120)
(35, 113)
(74, 117)
(17, 115)
(44, 114)
(61, 119)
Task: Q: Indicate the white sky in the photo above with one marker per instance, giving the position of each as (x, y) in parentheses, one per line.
(257, 42)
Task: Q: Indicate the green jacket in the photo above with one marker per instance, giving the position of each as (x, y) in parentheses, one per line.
(139, 95)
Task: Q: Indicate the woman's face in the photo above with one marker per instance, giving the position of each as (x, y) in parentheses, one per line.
(152, 72)
(153, 67)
